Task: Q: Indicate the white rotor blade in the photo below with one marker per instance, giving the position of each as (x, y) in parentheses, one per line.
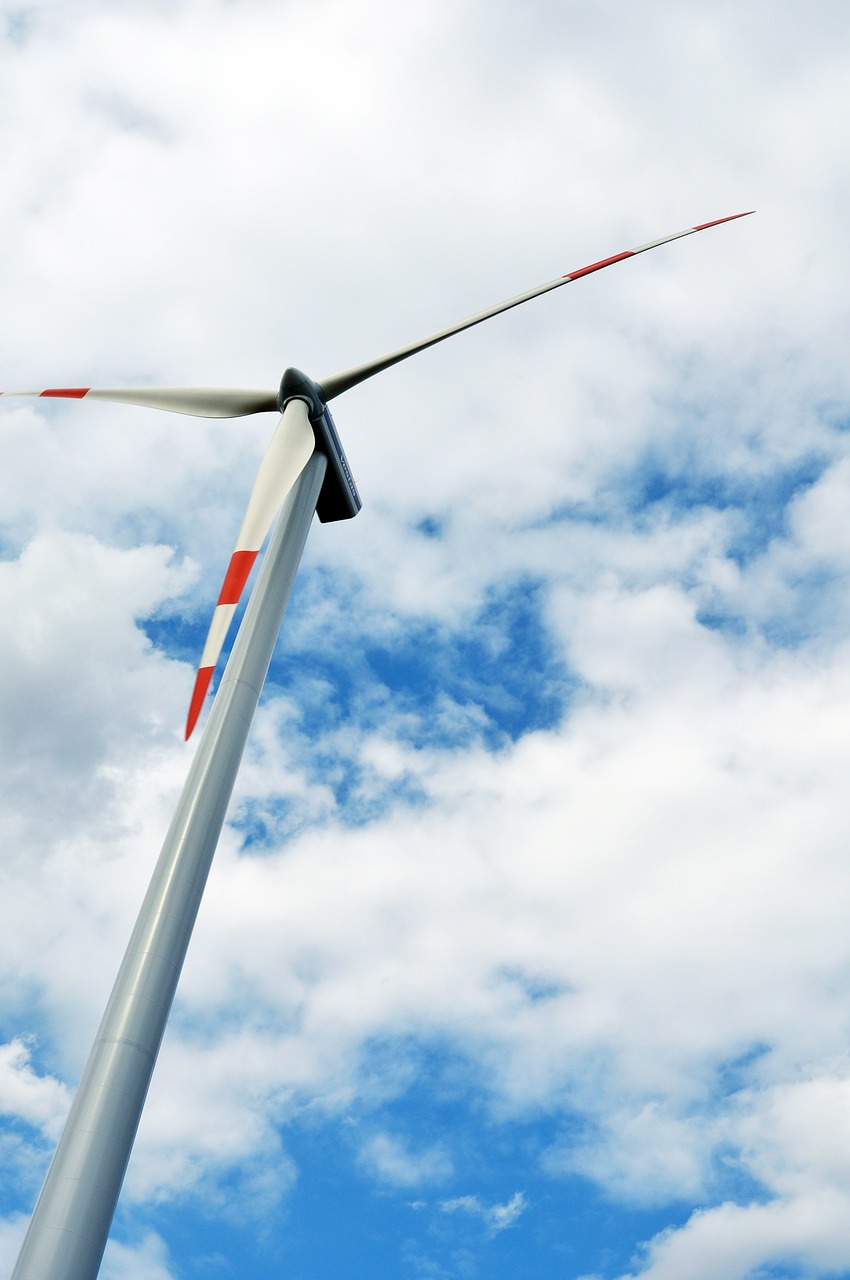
(340, 382)
(202, 402)
(288, 453)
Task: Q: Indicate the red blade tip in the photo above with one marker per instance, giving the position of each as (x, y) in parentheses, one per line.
(202, 684)
(717, 221)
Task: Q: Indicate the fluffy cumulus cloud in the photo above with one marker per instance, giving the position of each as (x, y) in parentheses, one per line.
(536, 874)
(41, 1101)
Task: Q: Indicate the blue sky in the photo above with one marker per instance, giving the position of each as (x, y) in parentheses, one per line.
(524, 952)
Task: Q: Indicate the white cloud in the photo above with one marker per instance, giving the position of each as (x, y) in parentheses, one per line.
(733, 1242)
(388, 1158)
(39, 1100)
(12, 1231)
(796, 1135)
(496, 1217)
(146, 1260)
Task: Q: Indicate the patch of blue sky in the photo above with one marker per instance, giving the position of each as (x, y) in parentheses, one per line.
(533, 988)
(761, 500)
(735, 1073)
(815, 605)
(791, 1270)
(729, 622)
(179, 635)
(805, 612)
(756, 504)
(431, 526)
(143, 526)
(488, 1208)
(425, 686)
(25, 1154)
(732, 1179)
(358, 800)
(503, 663)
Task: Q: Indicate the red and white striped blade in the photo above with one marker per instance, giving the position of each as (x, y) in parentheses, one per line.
(335, 385)
(202, 402)
(288, 453)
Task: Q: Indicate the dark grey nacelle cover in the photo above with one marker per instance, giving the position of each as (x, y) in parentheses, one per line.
(339, 499)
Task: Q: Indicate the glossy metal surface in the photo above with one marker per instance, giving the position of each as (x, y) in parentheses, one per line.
(71, 1221)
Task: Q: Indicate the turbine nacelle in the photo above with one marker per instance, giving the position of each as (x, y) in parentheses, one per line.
(338, 499)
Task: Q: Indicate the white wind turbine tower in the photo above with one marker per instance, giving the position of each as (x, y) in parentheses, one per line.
(305, 470)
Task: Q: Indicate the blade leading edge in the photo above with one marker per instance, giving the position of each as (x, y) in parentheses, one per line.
(340, 382)
(201, 402)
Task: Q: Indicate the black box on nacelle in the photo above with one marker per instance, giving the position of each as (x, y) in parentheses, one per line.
(338, 499)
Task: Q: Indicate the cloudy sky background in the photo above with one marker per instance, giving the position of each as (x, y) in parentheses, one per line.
(525, 951)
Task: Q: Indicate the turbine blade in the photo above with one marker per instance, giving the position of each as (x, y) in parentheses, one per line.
(202, 402)
(335, 385)
(288, 453)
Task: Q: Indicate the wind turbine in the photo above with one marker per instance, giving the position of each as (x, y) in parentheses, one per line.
(305, 471)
